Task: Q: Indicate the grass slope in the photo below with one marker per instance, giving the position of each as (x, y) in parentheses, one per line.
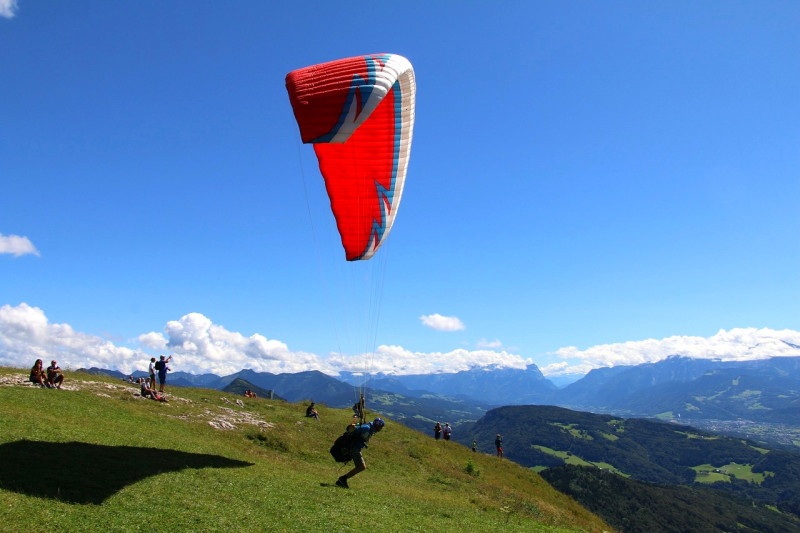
(96, 457)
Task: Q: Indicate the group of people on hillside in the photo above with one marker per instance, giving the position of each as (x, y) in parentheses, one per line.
(52, 378)
(447, 431)
(158, 367)
(250, 394)
(146, 391)
(439, 431)
(147, 386)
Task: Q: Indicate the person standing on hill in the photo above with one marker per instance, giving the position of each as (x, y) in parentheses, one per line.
(498, 443)
(447, 431)
(360, 436)
(437, 431)
(152, 370)
(161, 366)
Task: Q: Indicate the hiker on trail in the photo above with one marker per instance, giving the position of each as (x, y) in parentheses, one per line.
(447, 431)
(161, 366)
(474, 446)
(362, 434)
(498, 443)
(311, 412)
(54, 376)
(37, 373)
(437, 431)
(152, 370)
(147, 392)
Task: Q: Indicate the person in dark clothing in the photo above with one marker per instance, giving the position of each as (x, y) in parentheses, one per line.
(498, 443)
(54, 376)
(37, 374)
(161, 367)
(362, 432)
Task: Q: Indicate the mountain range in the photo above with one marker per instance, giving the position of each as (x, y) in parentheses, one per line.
(706, 393)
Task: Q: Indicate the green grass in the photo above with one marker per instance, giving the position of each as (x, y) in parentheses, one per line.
(96, 457)
(710, 474)
(690, 435)
(575, 460)
(573, 430)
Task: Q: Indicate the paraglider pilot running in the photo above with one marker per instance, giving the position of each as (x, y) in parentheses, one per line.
(361, 435)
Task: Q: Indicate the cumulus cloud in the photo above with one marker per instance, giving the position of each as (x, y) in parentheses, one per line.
(16, 245)
(442, 323)
(27, 335)
(200, 346)
(8, 8)
(738, 344)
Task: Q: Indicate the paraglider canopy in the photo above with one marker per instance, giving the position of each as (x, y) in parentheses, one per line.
(359, 114)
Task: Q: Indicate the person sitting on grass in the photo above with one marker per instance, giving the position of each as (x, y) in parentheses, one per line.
(147, 392)
(54, 376)
(311, 412)
(362, 433)
(37, 373)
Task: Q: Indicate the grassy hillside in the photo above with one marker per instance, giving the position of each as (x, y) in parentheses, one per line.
(96, 457)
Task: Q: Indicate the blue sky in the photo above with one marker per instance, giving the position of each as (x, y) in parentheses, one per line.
(590, 184)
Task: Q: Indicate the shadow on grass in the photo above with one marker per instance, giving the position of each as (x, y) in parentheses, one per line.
(76, 472)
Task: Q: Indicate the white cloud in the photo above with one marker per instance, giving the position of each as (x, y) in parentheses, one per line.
(14, 244)
(154, 341)
(200, 346)
(494, 345)
(442, 323)
(8, 8)
(27, 335)
(566, 369)
(738, 344)
(400, 361)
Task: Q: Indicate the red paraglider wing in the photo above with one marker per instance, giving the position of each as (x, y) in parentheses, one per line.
(359, 113)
